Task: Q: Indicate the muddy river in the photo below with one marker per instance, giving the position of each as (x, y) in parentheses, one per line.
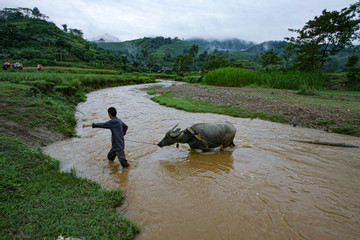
(264, 188)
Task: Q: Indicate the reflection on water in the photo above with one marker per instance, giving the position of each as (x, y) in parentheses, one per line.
(262, 189)
(201, 163)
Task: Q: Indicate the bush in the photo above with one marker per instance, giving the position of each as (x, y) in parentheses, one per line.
(307, 90)
(237, 77)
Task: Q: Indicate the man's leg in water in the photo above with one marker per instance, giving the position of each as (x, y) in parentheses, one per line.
(122, 159)
(111, 156)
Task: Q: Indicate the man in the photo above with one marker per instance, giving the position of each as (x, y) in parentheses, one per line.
(118, 130)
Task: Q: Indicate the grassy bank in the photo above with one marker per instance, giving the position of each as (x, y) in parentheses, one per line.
(38, 201)
(203, 107)
(49, 99)
(238, 77)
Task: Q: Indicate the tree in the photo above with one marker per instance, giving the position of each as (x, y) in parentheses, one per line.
(288, 52)
(192, 53)
(76, 32)
(270, 57)
(214, 62)
(184, 62)
(325, 36)
(36, 12)
(65, 28)
(353, 75)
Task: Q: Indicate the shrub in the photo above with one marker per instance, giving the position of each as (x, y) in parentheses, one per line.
(237, 77)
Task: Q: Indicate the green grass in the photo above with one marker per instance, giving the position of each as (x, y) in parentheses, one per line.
(20, 105)
(38, 201)
(238, 77)
(49, 99)
(202, 107)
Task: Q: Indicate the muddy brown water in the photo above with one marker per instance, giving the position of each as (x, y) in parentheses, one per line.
(264, 188)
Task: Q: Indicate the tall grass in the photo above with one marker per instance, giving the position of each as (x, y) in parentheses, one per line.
(237, 77)
(70, 84)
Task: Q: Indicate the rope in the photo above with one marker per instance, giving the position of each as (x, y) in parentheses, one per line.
(140, 142)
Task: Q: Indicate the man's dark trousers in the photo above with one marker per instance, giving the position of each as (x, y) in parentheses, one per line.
(121, 156)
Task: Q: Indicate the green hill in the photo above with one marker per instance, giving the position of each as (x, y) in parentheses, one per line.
(157, 51)
(161, 51)
(29, 38)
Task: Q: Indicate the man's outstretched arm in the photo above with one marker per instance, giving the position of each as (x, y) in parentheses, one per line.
(87, 125)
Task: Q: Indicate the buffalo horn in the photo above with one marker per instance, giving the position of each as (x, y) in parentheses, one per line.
(174, 127)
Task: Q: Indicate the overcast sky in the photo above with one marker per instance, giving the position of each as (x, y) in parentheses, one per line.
(252, 20)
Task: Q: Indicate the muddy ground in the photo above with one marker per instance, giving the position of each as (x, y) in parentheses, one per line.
(324, 118)
(35, 137)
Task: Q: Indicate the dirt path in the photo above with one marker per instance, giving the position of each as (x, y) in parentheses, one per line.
(304, 115)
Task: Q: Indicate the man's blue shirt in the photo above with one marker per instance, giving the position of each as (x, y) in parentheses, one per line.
(118, 131)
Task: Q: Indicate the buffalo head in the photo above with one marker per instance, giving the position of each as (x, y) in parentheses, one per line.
(171, 137)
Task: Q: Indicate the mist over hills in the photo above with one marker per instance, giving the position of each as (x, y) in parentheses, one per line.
(233, 44)
(265, 46)
(105, 38)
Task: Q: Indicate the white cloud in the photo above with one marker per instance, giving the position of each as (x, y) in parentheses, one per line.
(256, 20)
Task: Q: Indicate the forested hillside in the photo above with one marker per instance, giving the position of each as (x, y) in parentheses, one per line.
(27, 36)
(156, 51)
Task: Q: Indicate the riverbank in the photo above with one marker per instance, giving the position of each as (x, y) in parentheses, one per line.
(331, 111)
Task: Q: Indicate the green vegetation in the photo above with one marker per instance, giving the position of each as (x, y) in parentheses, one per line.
(30, 39)
(237, 77)
(156, 52)
(325, 36)
(38, 201)
(49, 99)
(195, 106)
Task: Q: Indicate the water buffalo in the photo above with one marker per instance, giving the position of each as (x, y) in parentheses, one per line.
(204, 136)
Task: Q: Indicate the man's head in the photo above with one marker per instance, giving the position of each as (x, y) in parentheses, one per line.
(112, 112)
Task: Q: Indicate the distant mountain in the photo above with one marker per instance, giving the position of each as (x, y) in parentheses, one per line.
(230, 44)
(162, 51)
(262, 47)
(105, 38)
(159, 50)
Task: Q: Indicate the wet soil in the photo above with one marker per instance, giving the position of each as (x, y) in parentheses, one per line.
(35, 137)
(311, 116)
